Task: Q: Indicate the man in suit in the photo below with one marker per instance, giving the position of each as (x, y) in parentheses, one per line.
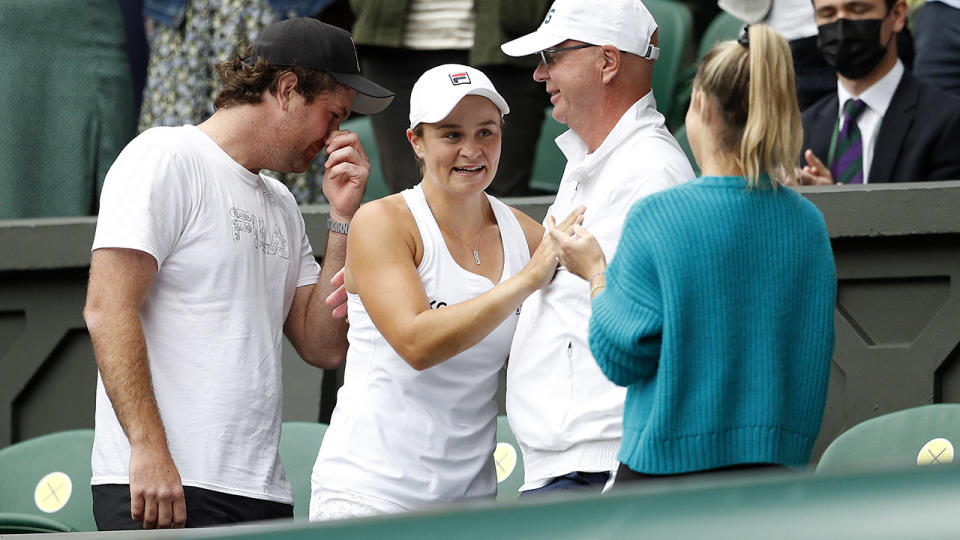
(882, 125)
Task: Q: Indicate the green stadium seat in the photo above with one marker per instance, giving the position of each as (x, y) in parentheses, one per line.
(914, 437)
(723, 27)
(299, 444)
(29, 524)
(49, 477)
(681, 135)
(376, 184)
(508, 461)
(549, 162)
(676, 28)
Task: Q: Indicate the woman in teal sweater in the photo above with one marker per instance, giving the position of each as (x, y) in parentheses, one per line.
(717, 311)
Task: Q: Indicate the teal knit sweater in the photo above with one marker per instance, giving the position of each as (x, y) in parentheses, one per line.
(718, 317)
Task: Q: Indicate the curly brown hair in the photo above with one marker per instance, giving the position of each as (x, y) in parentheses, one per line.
(246, 83)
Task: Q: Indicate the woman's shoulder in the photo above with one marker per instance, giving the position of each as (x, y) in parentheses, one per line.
(386, 223)
(386, 217)
(525, 220)
(532, 231)
(387, 208)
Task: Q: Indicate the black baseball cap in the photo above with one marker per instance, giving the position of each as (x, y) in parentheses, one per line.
(309, 43)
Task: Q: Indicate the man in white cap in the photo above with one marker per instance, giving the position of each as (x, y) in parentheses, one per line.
(597, 64)
(200, 265)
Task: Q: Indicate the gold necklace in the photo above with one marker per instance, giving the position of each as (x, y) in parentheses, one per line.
(476, 256)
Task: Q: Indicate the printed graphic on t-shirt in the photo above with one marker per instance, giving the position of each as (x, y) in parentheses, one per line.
(269, 197)
(246, 222)
(436, 305)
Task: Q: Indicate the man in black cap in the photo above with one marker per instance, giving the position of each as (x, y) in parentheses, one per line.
(200, 265)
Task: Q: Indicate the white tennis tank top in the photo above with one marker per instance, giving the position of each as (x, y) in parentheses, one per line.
(403, 439)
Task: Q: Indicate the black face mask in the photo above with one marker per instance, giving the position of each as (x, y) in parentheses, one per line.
(852, 47)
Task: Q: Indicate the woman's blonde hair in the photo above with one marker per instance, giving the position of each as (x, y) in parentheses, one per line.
(753, 86)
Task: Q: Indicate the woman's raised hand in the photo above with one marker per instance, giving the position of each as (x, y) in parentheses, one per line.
(577, 249)
(543, 262)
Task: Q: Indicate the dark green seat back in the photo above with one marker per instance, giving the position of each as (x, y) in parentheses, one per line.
(376, 184)
(11, 523)
(723, 27)
(508, 461)
(549, 162)
(676, 27)
(681, 135)
(903, 439)
(299, 444)
(49, 477)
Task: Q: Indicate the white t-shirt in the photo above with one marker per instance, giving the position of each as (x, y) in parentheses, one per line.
(231, 250)
(564, 412)
(402, 439)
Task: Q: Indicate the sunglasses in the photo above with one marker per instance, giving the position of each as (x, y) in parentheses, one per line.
(546, 55)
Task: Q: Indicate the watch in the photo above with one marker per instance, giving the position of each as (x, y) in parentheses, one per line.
(338, 226)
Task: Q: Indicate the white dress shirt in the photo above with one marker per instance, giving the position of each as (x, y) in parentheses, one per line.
(877, 98)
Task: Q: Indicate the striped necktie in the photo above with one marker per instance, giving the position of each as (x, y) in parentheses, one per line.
(847, 167)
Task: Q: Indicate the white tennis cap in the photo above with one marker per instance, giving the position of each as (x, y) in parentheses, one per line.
(439, 90)
(625, 24)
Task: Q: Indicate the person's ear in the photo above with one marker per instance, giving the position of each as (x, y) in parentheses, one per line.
(610, 59)
(416, 143)
(899, 14)
(706, 108)
(286, 86)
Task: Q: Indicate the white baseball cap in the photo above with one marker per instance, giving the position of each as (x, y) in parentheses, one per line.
(439, 89)
(625, 24)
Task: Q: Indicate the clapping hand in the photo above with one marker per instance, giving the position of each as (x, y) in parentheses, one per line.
(815, 173)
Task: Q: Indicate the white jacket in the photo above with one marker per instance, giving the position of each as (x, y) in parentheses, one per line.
(565, 414)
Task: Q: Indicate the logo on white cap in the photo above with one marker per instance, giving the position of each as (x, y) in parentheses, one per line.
(460, 77)
(441, 88)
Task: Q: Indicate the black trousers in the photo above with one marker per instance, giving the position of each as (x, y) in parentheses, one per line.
(205, 508)
(629, 477)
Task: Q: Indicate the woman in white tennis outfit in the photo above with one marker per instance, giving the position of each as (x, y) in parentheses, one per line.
(435, 276)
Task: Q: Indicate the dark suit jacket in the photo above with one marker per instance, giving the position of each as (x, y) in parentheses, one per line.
(919, 136)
